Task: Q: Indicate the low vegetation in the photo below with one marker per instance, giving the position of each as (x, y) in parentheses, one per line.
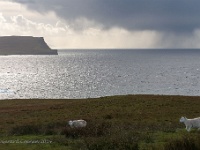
(135, 122)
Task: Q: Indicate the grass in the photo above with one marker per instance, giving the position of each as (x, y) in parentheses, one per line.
(141, 122)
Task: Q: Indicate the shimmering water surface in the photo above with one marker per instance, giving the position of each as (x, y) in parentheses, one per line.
(96, 73)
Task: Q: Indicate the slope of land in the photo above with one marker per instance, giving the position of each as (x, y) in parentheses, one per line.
(24, 45)
(117, 122)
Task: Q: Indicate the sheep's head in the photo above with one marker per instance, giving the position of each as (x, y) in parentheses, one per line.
(182, 119)
(70, 123)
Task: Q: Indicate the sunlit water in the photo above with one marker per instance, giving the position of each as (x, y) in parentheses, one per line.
(97, 73)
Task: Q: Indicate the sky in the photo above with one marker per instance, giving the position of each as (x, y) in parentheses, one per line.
(89, 24)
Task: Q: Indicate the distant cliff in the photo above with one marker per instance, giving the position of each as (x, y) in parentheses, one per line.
(24, 45)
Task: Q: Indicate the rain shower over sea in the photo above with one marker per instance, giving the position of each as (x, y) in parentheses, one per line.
(98, 73)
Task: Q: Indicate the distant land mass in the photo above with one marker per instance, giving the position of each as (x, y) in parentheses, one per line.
(24, 45)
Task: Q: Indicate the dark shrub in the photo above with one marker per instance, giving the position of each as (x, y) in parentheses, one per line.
(109, 143)
(26, 130)
(91, 130)
(48, 129)
(185, 143)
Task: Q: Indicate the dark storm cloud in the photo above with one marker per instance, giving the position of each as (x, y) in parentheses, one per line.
(164, 15)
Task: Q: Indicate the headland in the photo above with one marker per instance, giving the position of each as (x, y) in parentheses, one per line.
(24, 45)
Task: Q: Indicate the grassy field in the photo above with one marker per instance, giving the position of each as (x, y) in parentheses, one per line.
(135, 122)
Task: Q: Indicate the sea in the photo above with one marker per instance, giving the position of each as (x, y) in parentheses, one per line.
(75, 74)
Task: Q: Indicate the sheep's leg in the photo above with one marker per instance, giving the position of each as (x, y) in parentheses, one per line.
(188, 128)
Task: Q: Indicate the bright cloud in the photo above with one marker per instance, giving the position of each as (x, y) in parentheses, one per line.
(16, 19)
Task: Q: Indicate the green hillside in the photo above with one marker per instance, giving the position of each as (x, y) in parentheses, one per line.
(116, 122)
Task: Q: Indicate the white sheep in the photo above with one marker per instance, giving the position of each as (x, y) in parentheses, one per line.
(191, 123)
(77, 123)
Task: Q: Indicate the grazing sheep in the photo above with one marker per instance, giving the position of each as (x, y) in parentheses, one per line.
(191, 123)
(77, 123)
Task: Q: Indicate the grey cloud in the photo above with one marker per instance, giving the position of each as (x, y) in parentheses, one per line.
(166, 15)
